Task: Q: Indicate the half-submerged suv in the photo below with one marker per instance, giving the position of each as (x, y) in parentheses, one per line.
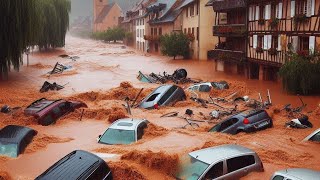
(163, 96)
(49, 111)
(14, 139)
(78, 165)
(296, 174)
(220, 162)
(247, 121)
(124, 131)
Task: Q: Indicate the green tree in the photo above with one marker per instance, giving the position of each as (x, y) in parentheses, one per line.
(26, 23)
(111, 34)
(301, 74)
(175, 44)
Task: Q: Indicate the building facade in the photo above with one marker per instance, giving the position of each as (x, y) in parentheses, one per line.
(106, 15)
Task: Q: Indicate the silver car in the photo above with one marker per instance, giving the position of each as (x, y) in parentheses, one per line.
(220, 162)
(296, 174)
(315, 136)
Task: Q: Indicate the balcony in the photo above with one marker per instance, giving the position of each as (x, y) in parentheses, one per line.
(235, 30)
(227, 55)
(226, 5)
(151, 37)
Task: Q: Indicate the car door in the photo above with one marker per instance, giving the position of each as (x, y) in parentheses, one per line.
(215, 171)
(239, 166)
(228, 126)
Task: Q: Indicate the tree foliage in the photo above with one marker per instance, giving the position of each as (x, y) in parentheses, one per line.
(175, 44)
(301, 74)
(26, 23)
(111, 34)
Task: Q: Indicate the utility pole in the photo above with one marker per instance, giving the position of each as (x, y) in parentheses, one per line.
(28, 52)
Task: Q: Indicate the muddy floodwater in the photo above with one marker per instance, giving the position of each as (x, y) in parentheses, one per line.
(102, 76)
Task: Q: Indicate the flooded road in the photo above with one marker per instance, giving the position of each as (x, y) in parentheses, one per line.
(92, 79)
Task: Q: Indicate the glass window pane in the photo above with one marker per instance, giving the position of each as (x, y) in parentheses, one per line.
(239, 162)
(117, 136)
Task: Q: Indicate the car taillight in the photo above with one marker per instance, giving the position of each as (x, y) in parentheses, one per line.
(246, 121)
(156, 106)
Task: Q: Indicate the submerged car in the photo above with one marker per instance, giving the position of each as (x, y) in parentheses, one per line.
(315, 136)
(49, 111)
(78, 165)
(247, 121)
(220, 162)
(163, 96)
(207, 86)
(14, 139)
(124, 131)
(296, 174)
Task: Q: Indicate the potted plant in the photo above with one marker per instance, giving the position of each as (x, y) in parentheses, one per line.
(272, 51)
(259, 50)
(273, 23)
(300, 18)
(261, 21)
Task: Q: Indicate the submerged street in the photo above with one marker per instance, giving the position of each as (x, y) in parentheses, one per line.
(95, 79)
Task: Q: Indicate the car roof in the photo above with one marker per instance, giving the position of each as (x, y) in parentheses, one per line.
(162, 89)
(41, 104)
(213, 154)
(14, 134)
(312, 134)
(300, 173)
(75, 165)
(127, 124)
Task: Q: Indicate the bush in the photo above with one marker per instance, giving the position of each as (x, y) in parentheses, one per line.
(112, 34)
(301, 74)
(175, 44)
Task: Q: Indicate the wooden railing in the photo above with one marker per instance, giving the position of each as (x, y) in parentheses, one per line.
(230, 30)
(219, 5)
(226, 55)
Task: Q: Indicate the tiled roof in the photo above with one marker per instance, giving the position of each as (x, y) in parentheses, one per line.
(105, 11)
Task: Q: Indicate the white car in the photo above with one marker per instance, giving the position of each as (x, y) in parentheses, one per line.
(296, 174)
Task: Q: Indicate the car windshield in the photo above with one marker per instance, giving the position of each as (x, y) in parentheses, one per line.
(191, 168)
(215, 128)
(8, 150)
(118, 136)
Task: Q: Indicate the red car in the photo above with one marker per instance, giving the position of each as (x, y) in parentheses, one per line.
(49, 111)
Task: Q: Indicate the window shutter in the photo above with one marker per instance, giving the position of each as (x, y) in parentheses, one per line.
(312, 42)
(268, 12)
(269, 41)
(255, 41)
(265, 42)
(279, 43)
(257, 12)
(279, 11)
(293, 6)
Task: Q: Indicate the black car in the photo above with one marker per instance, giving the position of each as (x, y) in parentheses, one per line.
(163, 96)
(247, 121)
(14, 139)
(78, 165)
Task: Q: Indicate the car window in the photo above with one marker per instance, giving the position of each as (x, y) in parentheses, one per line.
(228, 123)
(167, 95)
(140, 130)
(99, 173)
(48, 118)
(215, 171)
(118, 136)
(153, 97)
(57, 111)
(278, 177)
(236, 163)
(315, 137)
(204, 88)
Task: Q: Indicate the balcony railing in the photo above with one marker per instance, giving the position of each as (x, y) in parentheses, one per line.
(230, 30)
(224, 5)
(151, 37)
(226, 55)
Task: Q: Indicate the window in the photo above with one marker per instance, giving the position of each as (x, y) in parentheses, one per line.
(197, 7)
(192, 10)
(153, 97)
(155, 31)
(228, 123)
(197, 33)
(167, 95)
(151, 31)
(160, 31)
(185, 30)
(215, 172)
(273, 11)
(57, 111)
(193, 31)
(316, 137)
(189, 30)
(240, 162)
(140, 130)
(304, 44)
(187, 11)
(278, 177)
(301, 7)
(262, 12)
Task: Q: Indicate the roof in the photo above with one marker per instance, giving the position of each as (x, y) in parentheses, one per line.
(170, 17)
(39, 105)
(127, 124)
(76, 165)
(104, 12)
(14, 134)
(186, 3)
(300, 173)
(214, 154)
(167, 7)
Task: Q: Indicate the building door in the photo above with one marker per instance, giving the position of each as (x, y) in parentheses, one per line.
(156, 47)
(254, 71)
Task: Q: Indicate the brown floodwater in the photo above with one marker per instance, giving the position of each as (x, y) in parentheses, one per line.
(95, 79)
